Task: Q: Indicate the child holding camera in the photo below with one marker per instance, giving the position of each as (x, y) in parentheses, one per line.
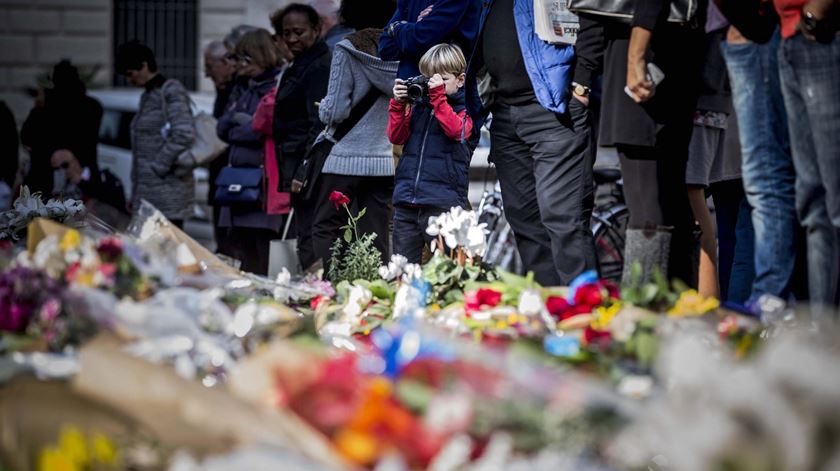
(428, 116)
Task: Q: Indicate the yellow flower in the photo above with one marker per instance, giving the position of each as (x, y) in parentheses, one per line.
(358, 447)
(70, 241)
(72, 444)
(512, 319)
(691, 303)
(604, 315)
(500, 325)
(52, 459)
(103, 449)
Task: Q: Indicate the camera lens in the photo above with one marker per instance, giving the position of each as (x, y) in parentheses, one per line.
(415, 92)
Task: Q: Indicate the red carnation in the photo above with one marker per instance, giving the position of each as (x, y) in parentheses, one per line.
(589, 295)
(575, 310)
(338, 198)
(557, 306)
(475, 300)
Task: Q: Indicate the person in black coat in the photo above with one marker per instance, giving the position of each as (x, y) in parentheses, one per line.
(63, 134)
(8, 153)
(652, 129)
(296, 121)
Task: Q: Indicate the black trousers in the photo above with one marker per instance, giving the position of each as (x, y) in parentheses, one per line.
(544, 164)
(372, 193)
(251, 247)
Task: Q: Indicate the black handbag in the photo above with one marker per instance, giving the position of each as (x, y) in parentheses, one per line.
(682, 11)
(310, 168)
(239, 186)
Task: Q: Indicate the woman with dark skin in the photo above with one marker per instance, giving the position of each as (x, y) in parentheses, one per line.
(296, 121)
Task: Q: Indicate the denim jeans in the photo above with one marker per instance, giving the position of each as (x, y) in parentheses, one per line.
(410, 236)
(811, 85)
(736, 241)
(767, 166)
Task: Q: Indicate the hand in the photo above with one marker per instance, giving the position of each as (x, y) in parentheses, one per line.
(297, 185)
(584, 100)
(637, 81)
(400, 91)
(425, 13)
(435, 81)
(821, 10)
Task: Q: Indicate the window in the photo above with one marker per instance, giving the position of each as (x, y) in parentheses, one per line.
(115, 129)
(168, 27)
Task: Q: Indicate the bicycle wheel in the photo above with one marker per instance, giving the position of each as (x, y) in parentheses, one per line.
(609, 241)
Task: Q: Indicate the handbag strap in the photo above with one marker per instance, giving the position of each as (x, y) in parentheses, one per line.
(288, 223)
(356, 114)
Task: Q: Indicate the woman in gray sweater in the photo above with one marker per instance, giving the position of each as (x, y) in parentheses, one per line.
(360, 165)
(160, 132)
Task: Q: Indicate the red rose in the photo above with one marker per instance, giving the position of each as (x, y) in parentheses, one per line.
(575, 310)
(338, 198)
(475, 300)
(589, 295)
(557, 306)
(611, 288)
(596, 337)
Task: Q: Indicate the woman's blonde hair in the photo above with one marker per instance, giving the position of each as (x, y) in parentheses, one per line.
(443, 58)
(260, 47)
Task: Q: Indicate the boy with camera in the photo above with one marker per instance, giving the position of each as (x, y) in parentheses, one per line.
(428, 116)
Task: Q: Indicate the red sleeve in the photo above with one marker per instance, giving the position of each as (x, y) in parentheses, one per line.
(450, 121)
(399, 121)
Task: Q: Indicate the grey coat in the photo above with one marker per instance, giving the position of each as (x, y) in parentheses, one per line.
(156, 146)
(365, 150)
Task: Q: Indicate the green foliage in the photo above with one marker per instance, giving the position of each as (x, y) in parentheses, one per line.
(448, 279)
(656, 295)
(356, 260)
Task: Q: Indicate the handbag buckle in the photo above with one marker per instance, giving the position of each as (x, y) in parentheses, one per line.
(235, 188)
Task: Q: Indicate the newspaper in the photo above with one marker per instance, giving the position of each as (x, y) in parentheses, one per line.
(554, 23)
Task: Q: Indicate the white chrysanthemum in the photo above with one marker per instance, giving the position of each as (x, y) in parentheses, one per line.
(357, 300)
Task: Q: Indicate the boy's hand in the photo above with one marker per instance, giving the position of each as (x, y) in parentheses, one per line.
(435, 81)
(400, 91)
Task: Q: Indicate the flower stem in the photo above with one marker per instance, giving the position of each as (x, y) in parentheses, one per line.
(351, 221)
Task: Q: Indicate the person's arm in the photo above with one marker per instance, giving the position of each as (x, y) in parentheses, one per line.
(645, 18)
(414, 39)
(181, 134)
(399, 122)
(589, 50)
(455, 125)
(388, 49)
(336, 106)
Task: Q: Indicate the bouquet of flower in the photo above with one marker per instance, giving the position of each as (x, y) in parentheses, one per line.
(29, 206)
(352, 257)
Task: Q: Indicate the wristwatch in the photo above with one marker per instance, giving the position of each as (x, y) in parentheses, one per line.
(580, 90)
(810, 23)
(392, 28)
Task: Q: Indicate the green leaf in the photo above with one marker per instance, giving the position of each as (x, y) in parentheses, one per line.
(348, 235)
(361, 214)
(646, 347)
(648, 294)
(414, 394)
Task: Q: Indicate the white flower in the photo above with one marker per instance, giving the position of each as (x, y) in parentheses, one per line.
(357, 300)
(476, 240)
(395, 268)
(433, 227)
(530, 303)
(412, 272)
(284, 277)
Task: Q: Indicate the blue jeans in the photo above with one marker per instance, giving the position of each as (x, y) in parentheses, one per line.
(409, 236)
(736, 241)
(767, 166)
(811, 85)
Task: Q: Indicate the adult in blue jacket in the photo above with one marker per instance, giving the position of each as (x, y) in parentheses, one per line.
(541, 140)
(407, 37)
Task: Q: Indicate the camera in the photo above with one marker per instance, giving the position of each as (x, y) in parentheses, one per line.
(417, 87)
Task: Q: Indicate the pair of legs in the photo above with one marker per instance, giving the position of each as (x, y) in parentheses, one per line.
(251, 247)
(410, 224)
(544, 165)
(766, 163)
(370, 193)
(810, 74)
(736, 241)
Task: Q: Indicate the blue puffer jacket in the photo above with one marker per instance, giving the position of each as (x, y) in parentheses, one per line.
(549, 66)
(434, 169)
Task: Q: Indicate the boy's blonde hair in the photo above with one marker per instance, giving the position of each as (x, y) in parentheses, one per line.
(443, 58)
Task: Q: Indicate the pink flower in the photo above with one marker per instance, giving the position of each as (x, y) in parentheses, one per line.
(50, 311)
(110, 248)
(338, 198)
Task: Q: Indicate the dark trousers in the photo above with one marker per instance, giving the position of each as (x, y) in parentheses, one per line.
(544, 165)
(736, 240)
(656, 195)
(302, 222)
(410, 223)
(251, 247)
(370, 193)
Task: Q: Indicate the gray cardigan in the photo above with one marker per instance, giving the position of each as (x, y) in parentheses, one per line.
(152, 174)
(365, 150)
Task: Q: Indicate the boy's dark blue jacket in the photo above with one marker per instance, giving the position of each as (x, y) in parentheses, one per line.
(434, 168)
(450, 21)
